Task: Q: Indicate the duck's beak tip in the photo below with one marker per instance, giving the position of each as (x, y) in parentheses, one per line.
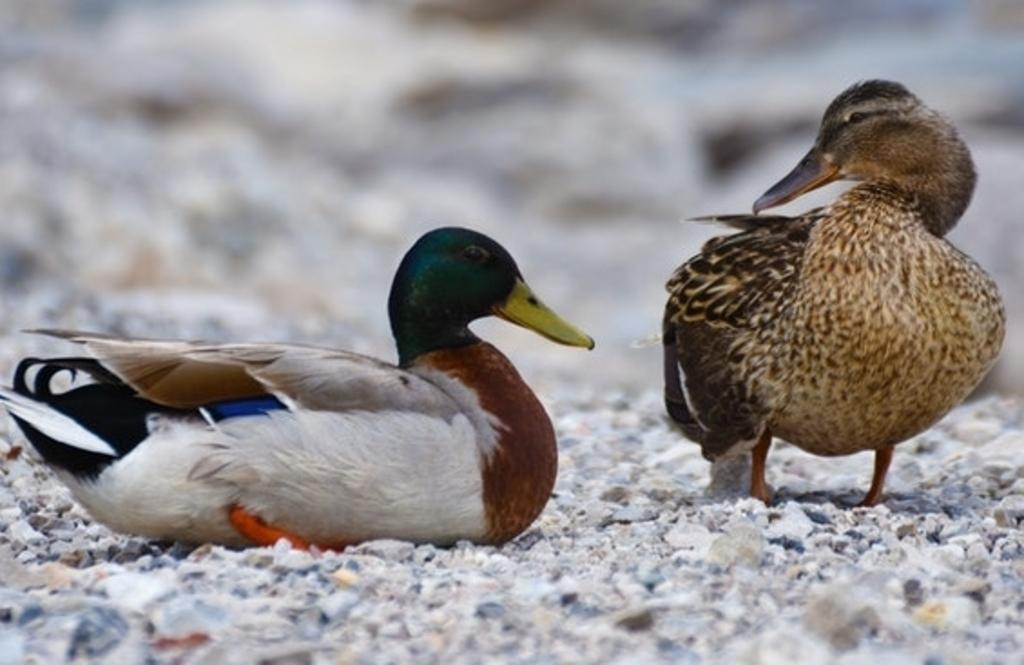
(523, 308)
(813, 171)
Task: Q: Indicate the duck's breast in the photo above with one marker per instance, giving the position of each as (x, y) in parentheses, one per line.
(888, 333)
(515, 435)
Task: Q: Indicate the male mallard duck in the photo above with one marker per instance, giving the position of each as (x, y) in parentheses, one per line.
(243, 444)
(852, 327)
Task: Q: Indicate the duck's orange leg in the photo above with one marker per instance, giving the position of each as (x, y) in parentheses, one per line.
(883, 457)
(259, 532)
(758, 486)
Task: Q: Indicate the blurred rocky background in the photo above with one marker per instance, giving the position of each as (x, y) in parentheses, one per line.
(254, 170)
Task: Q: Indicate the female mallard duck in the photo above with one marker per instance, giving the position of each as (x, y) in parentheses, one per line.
(852, 327)
(243, 444)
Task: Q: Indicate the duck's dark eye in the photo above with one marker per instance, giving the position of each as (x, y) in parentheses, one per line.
(856, 117)
(476, 254)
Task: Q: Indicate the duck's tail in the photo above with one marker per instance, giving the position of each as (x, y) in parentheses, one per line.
(48, 422)
(83, 429)
(88, 425)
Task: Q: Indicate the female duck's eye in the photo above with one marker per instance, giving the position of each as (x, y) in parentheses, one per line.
(476, 254)
(856, 116)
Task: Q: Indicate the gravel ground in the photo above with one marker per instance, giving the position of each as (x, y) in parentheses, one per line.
(629, 563)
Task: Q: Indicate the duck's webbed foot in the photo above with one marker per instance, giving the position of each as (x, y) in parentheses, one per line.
(259, 532)
(758, 455)
(883, 457)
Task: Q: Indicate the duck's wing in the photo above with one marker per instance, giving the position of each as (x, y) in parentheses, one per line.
(186, 375)
(718, 303)
(751, 222)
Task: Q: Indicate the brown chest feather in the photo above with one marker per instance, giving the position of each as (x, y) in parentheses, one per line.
(520, 474)
(891, 327)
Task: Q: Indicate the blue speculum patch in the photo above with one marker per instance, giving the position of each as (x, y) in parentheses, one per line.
(237, 408)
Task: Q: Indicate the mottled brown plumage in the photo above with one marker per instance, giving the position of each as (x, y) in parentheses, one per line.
(852, 327)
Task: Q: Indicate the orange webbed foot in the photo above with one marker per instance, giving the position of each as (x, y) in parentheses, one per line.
(261, 533)
(758, 485)
(883, 457)
(761, 493)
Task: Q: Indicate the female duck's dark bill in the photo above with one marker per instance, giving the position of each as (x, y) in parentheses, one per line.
(524, 309)
(813, 171)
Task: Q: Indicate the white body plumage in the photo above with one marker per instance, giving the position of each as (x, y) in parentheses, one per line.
(398, 453)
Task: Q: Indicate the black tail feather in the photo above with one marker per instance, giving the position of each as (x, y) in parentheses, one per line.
(108, 408)
(52, 367)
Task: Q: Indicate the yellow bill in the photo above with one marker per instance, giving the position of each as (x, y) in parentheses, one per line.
(525, 309)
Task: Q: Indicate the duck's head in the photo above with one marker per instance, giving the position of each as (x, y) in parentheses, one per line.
(453, 276)
(879, 130)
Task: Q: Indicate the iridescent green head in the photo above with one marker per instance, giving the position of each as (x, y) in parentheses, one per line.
(453, 276)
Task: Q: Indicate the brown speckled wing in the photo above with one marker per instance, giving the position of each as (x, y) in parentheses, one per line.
(748, 222)
(722, 305)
